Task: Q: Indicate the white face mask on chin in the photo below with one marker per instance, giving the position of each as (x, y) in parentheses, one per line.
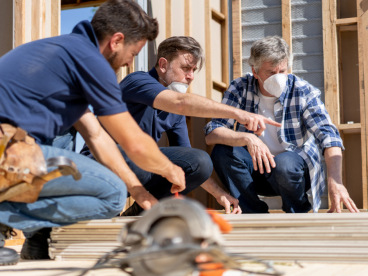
(178, 87)
(275, 84)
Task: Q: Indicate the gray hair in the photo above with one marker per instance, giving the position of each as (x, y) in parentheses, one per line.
(269, 49)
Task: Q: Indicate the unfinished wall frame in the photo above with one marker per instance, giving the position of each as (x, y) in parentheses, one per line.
(345, 43)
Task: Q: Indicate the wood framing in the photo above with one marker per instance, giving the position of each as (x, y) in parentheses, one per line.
(344, 40)
(225, 43)
(207, 27)
(168, 28)
(237, 39)
(286, 24)
(363, 76)
(76, 4)
(330, 60)
(19, 22)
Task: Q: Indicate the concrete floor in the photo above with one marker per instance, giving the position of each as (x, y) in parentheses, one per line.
(74, 268)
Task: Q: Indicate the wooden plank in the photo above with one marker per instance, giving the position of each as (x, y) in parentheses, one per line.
(346, 21)
(168, 28)
(237, 39)
(350, 128)
(225, 43)
(286, 24)
(187, 17)
(218, 16)
(36, 13)
(19, 22)
(207, 28)
(330, 60)
(321, 237)
(55, 18)
(363, 77)
(84, 4)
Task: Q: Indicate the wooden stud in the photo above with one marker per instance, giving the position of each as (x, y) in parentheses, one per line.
(168, 18)
(331, 77)
(286, 24)
(19, 22)
(36, 32)
(363, 78)
(187, 32)
(225, 43)
(346, 21)
(55, 18)
(207, 27)
(237, 39)
(78, 5)
(330, 60)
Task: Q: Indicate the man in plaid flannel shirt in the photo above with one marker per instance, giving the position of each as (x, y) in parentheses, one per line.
(287, 160)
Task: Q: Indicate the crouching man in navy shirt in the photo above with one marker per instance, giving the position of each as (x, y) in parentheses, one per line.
(46, 87)
(158, 102)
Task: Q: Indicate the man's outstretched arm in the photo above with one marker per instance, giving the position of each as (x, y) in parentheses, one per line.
(198, 106)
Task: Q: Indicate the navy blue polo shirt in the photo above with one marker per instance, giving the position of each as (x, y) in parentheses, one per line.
(47, 85)
(139, 91)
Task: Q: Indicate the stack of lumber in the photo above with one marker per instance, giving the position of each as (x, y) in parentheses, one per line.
(288, 237)
(303, 237)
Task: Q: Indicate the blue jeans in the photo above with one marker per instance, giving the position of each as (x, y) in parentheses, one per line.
(289, 179)
(196, 164)
(99, 194)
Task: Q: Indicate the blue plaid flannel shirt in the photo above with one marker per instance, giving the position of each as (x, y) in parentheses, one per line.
(306, 126)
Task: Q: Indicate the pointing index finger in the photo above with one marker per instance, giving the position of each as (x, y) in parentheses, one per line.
(271, 122)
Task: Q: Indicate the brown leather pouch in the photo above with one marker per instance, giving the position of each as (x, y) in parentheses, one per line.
(21, 164)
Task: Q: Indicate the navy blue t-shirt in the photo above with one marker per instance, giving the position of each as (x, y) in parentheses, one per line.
(47, 85)
(139, 91)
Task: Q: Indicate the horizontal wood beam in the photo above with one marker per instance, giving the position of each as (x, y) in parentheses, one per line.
(218, 16)
(79, 4)
(346, 21)
(219, 85)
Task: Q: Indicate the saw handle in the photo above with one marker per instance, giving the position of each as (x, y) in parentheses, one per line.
(223, 224)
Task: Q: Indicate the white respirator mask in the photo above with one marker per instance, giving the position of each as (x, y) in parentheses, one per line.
(178, 87)
(275, 84)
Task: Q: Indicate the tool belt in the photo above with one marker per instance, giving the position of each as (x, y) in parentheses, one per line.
(23, 169)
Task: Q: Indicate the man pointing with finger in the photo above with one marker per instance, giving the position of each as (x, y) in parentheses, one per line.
(286, 160)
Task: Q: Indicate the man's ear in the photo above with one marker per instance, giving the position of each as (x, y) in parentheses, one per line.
(254, 73)
(162, 64)
(115, 40)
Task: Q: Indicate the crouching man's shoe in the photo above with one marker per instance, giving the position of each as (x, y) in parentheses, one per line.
(37, 246)
(8, 256)
(134, 210)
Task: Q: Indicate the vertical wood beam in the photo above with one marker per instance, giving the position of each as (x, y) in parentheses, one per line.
(363, 80)
(286, 24)
(207, 28)
(331, 73)
(36, 16)
(225, 42)
(330, 60)
(19, 22)
(187, 17)
(55, 17)
(187, 32)
(237, 39)
(168, 18)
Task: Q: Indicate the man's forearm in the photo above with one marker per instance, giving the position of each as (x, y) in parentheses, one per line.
(225, 136)
(211, 187)
(333, 158)
(193, 105)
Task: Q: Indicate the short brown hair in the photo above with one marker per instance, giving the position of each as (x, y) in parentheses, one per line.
(124, 16)
(171, 47)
